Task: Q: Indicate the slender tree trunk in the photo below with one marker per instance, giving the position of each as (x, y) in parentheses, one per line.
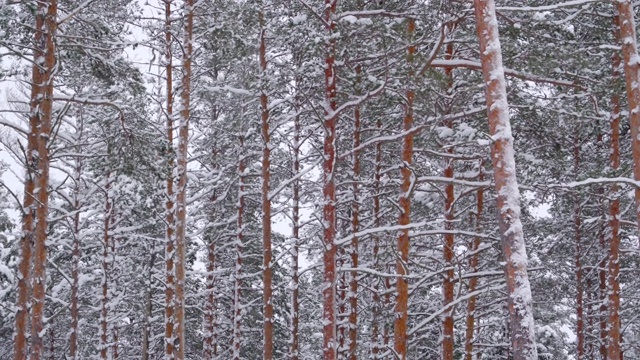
(169, 317)
(210, 306)
(355, 226)
(329, 343)
(402, 283)
(295, 256)
(106, 245)
(602, 286)
(628, 41)
(148, 307)
(36, 195)
(266, 201)
(473, 267)
(75, 246)
(521, 326)
(577, 223)
(181, 198)
(376, 347)
(449, 238)
(625, 30)
(237, 293)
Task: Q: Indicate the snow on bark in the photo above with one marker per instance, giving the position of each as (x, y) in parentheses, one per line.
(508, 195)
(329, 343)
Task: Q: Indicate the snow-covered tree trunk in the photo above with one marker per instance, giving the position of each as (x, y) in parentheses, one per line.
(75, 246)
(402, 283)
(236, 342)
(181, 196)
(41, 107)
(629, 42)
(521, 326)
(448, 249)
(355, 227)
(473, 268)
(170, 283)
(295, 233)
(329, 343)
(106, 268)
(376, 333)
(267, 290)
(577, 223)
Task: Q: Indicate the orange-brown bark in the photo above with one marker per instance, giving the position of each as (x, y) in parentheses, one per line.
(473, 267)
(41, 107)
(521, 326)
(400, 339)
(181, 196)
(355, 226)
(169, 317)
(449, 239)
(267, 276)
(329, 343)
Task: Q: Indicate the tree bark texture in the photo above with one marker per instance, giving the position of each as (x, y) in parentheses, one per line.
(400, 339)
(521, 326)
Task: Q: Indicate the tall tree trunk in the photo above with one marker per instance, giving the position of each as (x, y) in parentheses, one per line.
(521, 326)
(376, 334)
(625, 30)
(449, 238)
(402, 283)
(237, 293)
(104, 299)
(329, 344)
(602, 287)
(36, 194)
(75, 246)
(170, 283)
(295, 252)
(181, 198)
(210, 305)
(266, 201)
(210, 340)
(628, 41)
(148, 307)
(473, 267)
(355, 226)
(577, 223)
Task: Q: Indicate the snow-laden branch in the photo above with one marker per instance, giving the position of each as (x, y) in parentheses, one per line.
(546, 7)
(477, 65)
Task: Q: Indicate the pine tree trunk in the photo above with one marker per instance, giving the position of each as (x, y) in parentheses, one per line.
(106, 245)
(169, 317)
(521, 324)
(36, 196)
(355, 226)
(578, 257)
(449, 238)
(295, 256)
(210, 305)
(628, 41)
(237, 293)
(266, 201)
(75, 246)
(602, 287)
(148, 307)
(329, 344)
(402, 283)
(376, 315)
(181, 196)
(473, 267)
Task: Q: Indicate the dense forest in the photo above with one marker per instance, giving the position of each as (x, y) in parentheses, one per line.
(319, 179)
